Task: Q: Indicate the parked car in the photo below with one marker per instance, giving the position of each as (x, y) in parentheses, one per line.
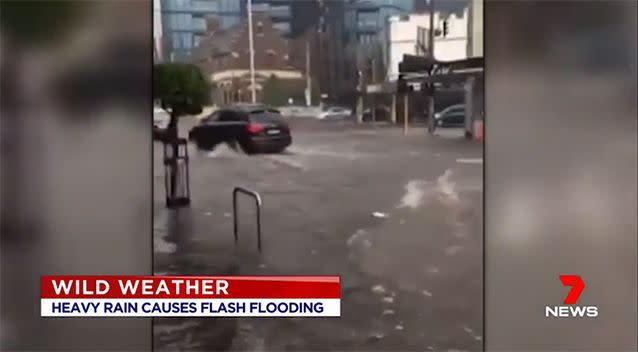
(452, 116)
(382, 113)
(335, 113)
(293, 110)
(255, 128)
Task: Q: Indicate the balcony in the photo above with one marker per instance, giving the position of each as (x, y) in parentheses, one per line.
(202, 8)
(212, 6)
(195, 25)
(198, 24)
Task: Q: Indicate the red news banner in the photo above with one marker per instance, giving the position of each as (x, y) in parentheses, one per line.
(182, 296)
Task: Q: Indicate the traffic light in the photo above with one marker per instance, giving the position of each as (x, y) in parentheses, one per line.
(446, 28)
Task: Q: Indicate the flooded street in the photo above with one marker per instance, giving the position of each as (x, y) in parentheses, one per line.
(399, 218)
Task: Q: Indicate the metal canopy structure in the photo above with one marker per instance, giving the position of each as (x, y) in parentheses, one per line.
(445, 72)
(427, 75)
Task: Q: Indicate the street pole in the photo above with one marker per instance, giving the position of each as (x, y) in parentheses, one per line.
(374, 96)
(360, 98)
(469, 107)
(431, 32)
(393, 116)
(431, 50)
(252, 51)
(308, 82)
(405, 114)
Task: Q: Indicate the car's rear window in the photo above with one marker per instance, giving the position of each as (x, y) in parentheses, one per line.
(266, 115)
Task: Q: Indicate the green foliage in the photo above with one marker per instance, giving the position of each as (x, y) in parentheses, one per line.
(180, 88)
(275, 92)
(35, 22)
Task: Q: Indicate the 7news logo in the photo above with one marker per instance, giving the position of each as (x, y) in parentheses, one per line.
(570, 309)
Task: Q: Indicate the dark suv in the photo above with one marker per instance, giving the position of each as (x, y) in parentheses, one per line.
(255, 128)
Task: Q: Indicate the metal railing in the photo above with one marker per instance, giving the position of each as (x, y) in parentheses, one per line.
(258, 204)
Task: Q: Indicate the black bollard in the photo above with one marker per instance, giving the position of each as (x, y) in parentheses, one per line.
(176, 174)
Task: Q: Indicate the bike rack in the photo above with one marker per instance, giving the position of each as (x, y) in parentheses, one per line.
(258, 204)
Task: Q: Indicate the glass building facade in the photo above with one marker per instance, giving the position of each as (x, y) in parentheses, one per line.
(366, 24)
(279, 11)
(366, 19)
(184, 23)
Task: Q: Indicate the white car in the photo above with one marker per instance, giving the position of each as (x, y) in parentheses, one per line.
(335, 113)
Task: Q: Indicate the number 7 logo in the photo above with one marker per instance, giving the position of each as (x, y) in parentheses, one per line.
(577, 284)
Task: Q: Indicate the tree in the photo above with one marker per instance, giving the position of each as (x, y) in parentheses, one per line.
(180, 89)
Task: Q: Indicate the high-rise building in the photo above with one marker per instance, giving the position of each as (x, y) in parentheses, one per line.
(366, 19)
(279, 11)
(291, 17)
(305, 16)
(361, 36)
(184, 23)
(157, 31)
(332, 39)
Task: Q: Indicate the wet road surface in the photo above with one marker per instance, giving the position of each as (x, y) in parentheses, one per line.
(399, 218)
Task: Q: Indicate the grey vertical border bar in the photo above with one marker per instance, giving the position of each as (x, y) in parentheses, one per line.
(79, 202)
(485, 139)
(151, 176)
(560, 173)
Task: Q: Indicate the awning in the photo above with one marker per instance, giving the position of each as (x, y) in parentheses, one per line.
(453, 77)
(469, 63)
(449, 72)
